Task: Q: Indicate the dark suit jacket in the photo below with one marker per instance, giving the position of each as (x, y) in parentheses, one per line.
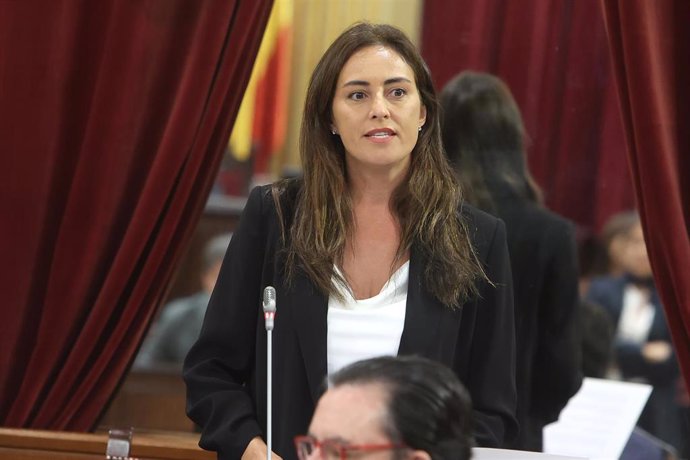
(549, 348)
(661, 416)
(608, 292)
(225, 370)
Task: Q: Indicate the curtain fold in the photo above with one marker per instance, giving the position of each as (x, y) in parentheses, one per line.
(553, 55)
(650, 46)
(113, 120)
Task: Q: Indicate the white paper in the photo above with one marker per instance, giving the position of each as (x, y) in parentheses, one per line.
(483, 453)
(598, 420)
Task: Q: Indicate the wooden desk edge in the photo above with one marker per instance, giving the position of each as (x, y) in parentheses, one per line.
(149, 445)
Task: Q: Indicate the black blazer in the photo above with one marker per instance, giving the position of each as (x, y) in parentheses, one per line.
(543, 258)
(225, 370)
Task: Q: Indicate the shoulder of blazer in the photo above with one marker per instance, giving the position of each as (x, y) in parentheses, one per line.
(286, 193)
(481, 228)
(531, 219)
(607, 291)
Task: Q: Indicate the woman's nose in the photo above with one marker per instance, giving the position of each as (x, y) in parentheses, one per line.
(379, 107)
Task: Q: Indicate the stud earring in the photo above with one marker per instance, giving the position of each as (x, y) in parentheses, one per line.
(420, 128)
(333, 132)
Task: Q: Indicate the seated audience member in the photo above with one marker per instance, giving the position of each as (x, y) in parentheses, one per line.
(642, 343)
(597, 341)
(403, 407)
(178, 326)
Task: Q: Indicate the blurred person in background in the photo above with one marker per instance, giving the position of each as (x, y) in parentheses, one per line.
(615, 236)
(179, 323)
(597, 343)
(484, 138)
(642, 344)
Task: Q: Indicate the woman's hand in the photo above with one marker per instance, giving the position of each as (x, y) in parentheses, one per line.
(256, 450)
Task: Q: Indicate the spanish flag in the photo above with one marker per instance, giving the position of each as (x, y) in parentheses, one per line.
(261, 125)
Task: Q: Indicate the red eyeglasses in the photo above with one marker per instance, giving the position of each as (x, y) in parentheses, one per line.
(310, 448)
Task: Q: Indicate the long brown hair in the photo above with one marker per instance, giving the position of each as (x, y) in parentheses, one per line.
(484, 138)
(426, 203)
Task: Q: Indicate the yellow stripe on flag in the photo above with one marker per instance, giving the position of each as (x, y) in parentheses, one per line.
(241, 140)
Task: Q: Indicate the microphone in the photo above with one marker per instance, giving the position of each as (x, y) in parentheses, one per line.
(269, 306)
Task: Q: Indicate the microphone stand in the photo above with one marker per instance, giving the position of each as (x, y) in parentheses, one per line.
(269, 307)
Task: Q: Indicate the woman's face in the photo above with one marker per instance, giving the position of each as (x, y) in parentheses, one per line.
(636, 260)
(377, 111)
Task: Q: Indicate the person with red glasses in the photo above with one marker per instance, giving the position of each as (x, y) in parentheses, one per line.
(404, 407)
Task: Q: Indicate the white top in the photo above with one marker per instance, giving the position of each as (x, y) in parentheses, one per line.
(361, 329)
(636, 317)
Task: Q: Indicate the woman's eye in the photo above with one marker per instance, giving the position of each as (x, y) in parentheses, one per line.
(357, 96)
(398, 92)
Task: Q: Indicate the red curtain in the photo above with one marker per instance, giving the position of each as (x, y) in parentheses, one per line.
(650, 46)
(553, 54)
(113, 119)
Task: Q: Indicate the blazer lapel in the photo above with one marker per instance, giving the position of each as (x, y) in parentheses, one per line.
(423, 312)
(309, 309)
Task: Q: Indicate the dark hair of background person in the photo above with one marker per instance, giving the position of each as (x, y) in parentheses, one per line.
(597, 250)
(426, 203)
(428, 408)
(484, 138)
(597, 339)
